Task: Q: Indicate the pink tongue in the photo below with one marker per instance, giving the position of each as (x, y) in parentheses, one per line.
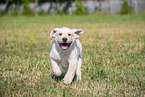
(64, 47)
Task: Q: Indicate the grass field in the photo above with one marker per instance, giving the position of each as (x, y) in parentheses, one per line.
(113, 56)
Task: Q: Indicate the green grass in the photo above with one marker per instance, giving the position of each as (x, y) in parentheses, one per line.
(113, 56)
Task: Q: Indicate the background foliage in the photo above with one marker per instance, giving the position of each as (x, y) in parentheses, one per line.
(126, 8)
(80, 9)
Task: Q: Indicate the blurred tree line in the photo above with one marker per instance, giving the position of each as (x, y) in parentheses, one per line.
(40, 1)
(27, 10)
(15, 5)
(37, 2)
(18, 3)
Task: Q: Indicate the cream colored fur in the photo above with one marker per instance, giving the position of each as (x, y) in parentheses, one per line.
(69, 59)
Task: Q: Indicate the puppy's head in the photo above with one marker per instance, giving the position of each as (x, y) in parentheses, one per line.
(65, 36)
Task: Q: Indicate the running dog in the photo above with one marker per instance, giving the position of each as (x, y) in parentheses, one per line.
(66, 52)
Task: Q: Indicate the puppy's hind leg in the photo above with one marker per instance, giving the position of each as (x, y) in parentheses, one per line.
(55, 68)
(78, 71)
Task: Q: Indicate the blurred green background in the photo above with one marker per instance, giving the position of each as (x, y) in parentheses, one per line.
(70, 7)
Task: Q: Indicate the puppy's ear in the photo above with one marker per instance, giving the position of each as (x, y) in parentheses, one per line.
(78, 32)
(53, 33)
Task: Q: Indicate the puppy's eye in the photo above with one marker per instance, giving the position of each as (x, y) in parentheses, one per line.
(69, 34)
(60, 34)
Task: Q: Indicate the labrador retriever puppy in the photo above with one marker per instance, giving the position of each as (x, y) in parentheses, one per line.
(66, 52)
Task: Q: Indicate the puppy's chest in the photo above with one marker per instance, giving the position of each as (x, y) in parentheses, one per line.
(63, 56)
(59, 55)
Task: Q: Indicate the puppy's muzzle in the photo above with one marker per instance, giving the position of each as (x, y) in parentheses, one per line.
(64, 45)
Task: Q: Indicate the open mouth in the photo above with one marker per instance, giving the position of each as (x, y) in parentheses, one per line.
(64, 46)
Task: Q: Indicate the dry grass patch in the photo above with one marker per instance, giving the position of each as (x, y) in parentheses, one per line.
(113, 56)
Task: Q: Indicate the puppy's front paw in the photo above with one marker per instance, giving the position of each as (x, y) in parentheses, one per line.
(67, 80)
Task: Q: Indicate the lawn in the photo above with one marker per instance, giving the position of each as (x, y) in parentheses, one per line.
(113, 56)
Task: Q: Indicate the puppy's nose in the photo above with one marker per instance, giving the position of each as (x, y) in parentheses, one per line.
(64, 39)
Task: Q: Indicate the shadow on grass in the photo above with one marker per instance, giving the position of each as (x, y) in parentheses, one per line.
(58, 79)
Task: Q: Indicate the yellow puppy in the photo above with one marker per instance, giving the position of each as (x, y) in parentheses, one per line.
(66, 51)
